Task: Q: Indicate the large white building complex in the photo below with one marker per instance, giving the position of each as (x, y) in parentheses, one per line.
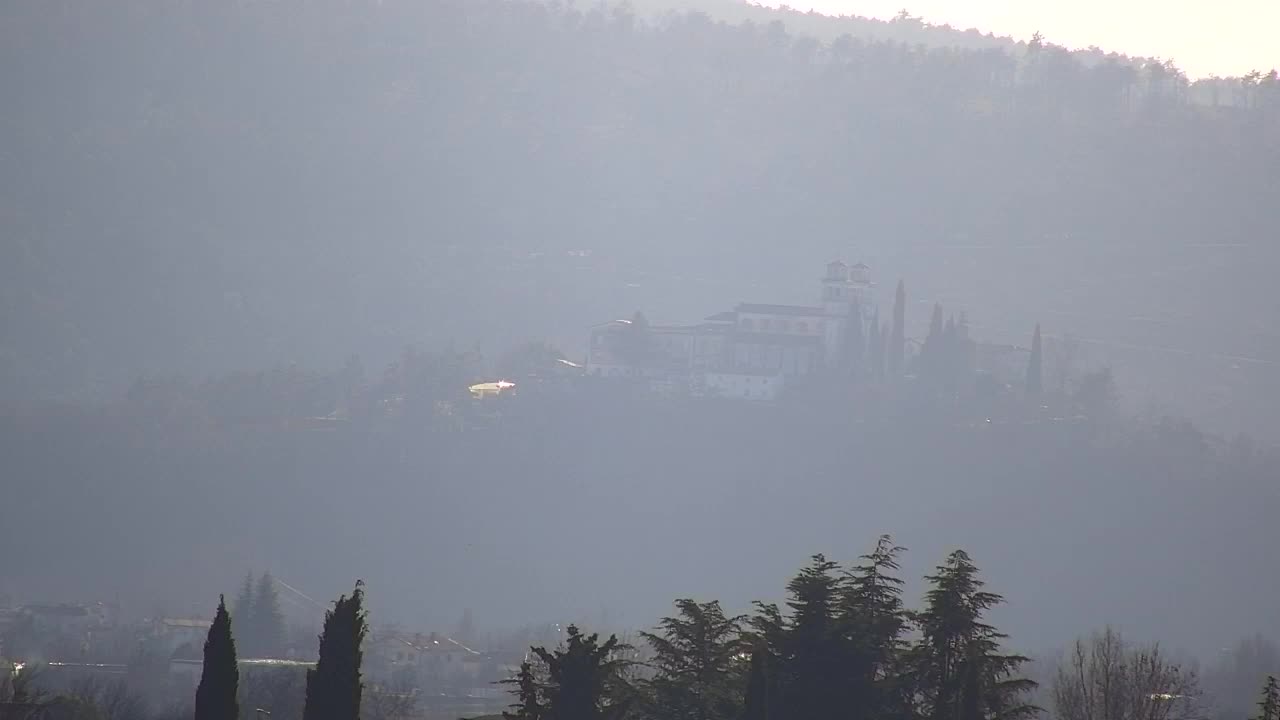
(749, 352)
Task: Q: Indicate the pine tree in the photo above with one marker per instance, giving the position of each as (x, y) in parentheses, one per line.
(897, 341)
(1035, 381)
(816, 656)
(960, 669)
(951, 358)
(582, 678)
(695, 656)
(528, 704)
(1269, 705)
(872, 601)
(219, 676)
(267, 620)
(334, 686)
(874, 619)
(244, 617)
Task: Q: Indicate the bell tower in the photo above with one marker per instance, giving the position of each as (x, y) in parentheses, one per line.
(837, 290)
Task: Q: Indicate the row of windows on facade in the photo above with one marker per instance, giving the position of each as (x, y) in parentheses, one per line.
(789, 361)
(779, 325)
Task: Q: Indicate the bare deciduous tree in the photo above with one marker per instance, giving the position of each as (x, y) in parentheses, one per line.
(1105, 678)
(382, 702)
(114, 699)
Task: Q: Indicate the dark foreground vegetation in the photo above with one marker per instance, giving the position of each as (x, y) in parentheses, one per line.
(843, 644)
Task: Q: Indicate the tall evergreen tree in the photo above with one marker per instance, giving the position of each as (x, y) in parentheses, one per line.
(897, 341)
(334, 686)
(952, 359)
(961, 671)
(1269, 705)
(872, 601)
(875, 620)
(695, 656)
(883, 358)
(267, 619)
(815, 655)
(1035, 380)
(528, 692)
(582, 678)
(934, 338)
(219, 675)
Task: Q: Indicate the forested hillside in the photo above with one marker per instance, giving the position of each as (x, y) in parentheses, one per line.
(191, 187)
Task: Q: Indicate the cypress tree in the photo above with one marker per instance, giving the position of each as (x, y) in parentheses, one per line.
(935, 327)
(334, 686)
(1269, 705)
(897, 341)
(875, 351)
(1035, 381)
(951, 353)
(219, 676)
(267, 620)
(883, 358)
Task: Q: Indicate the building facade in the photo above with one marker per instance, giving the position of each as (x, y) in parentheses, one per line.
(749, 352)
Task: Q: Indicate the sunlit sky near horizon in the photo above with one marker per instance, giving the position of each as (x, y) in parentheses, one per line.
(1224, 37)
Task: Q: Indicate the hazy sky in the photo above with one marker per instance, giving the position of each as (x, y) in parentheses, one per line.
(1223, 37)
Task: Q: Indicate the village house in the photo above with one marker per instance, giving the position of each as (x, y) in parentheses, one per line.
(175, 633)
(422, 660)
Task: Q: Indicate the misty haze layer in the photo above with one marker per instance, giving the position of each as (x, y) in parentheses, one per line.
(197, 188)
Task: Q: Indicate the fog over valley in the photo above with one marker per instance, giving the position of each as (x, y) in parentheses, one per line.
(931, 374)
